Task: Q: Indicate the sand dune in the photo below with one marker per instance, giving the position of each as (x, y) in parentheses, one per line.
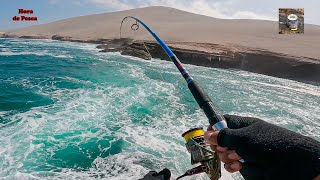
(174, 25)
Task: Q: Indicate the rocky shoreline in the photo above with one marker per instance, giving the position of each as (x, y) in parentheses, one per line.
(211, 55)
(226, 57)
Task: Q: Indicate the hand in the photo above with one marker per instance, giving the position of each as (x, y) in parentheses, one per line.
(269, 151)
(229, 157)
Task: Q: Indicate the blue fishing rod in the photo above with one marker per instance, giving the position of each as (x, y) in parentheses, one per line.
(216, 120)
(199, 149)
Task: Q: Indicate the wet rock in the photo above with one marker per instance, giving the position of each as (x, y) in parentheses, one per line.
(110, 50)
(61, 38)
(126, 47)
(34, 37)
(9, 36)
(103, 46)
(258, 61)
(118, 43)
(136, 50)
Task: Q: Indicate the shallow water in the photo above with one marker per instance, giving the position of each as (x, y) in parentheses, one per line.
(69, 112)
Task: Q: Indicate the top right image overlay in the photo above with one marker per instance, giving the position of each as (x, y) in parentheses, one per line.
(291, 20)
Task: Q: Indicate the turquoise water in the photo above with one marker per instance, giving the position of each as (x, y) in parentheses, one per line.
(69, 112)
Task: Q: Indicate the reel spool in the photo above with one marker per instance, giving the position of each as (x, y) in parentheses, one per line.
(201, 153)
(293, 22)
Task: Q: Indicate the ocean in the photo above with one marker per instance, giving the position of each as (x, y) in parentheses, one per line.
(70, 112)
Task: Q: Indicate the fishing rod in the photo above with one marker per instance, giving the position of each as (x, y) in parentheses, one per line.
(195, 143)
(216, 119)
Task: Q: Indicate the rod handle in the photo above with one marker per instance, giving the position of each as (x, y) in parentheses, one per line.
(216, 120)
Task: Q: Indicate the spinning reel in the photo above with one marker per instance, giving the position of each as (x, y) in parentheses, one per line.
(201, 153)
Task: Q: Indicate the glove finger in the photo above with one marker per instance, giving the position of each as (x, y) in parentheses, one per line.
(149, 176)
(236, 122)
(165, 174)
(252, 172)
(229, 138)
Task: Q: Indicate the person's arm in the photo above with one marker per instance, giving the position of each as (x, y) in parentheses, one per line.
(269, 151)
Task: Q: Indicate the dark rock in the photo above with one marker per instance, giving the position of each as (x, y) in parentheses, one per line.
(103, 46)
(24, 37)
(9, 36)
(98, 41)
(126, 47)
(120, 41)
(116, 45)
(136, 50)
(34, 37)
(283, 66)
(61, 38)
(110, 50)
(257, 61)
(156, 51)
(71, 39)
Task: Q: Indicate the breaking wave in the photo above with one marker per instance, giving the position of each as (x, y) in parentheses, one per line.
(69, 112)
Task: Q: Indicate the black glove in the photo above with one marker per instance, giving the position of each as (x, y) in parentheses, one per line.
(165, 174)
(270, 151)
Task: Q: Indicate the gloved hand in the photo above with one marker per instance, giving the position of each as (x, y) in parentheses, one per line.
(269, 151)
(165, 174)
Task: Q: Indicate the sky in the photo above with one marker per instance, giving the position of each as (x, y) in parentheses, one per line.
(52, 10)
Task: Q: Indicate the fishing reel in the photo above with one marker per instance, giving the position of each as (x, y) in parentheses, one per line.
(201, 153)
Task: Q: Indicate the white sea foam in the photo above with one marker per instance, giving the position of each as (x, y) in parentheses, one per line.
(38, 53)
(150, 140)
(5, 49)
(295, 87)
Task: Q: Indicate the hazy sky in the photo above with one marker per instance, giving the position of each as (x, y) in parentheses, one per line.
(52, 10)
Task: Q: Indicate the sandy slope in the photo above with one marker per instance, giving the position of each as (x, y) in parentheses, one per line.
(176, 26)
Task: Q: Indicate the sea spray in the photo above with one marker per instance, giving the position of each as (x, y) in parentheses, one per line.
(93, 115)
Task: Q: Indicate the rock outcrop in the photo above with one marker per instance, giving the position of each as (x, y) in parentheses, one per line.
(38, 36)
(137, 50)
(126, 46)
(72, 39)
(61, 38)
(4, 35)
(220, 56)
(35, 37)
